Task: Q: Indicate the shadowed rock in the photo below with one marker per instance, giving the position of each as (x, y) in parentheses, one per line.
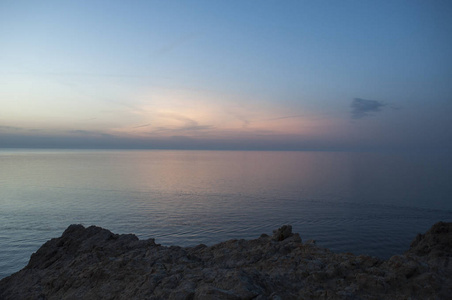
(94, 263)
(282, 233)
(436, 242)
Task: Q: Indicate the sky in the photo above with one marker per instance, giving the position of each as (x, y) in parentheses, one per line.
(250, 75)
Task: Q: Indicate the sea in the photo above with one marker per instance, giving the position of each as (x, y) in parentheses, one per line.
(359, 202)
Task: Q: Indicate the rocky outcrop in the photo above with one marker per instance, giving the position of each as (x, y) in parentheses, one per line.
(93, 263)
(436, 242)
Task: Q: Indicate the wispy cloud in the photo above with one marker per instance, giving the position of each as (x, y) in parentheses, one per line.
(76, 74)
(285, 117)
(133, 108)
(182, 129)
(186, 120)
(197, 127)
(244, 120)
(89, 133)
(175, 44)
(362, 108)
(20, 129)
(188, 124)
(141, 126)
(11, 128)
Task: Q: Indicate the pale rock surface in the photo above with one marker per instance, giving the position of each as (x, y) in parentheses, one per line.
(93, 263)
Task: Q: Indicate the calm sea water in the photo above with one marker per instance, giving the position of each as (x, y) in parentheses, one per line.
(365, 203)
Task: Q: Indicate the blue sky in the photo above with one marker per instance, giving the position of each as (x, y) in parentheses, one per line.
(323, 75)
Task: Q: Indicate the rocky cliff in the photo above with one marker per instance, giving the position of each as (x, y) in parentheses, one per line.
(94, 263)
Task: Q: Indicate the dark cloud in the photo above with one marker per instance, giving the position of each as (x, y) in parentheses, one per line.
(362, 108)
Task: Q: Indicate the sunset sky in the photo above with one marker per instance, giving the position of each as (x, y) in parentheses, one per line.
(277, 75)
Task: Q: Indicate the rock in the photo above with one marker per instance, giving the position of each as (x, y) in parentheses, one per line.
(436, 242)
(94, 263)
(282, 233)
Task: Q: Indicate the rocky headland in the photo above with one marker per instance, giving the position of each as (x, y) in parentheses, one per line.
(94, 263)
